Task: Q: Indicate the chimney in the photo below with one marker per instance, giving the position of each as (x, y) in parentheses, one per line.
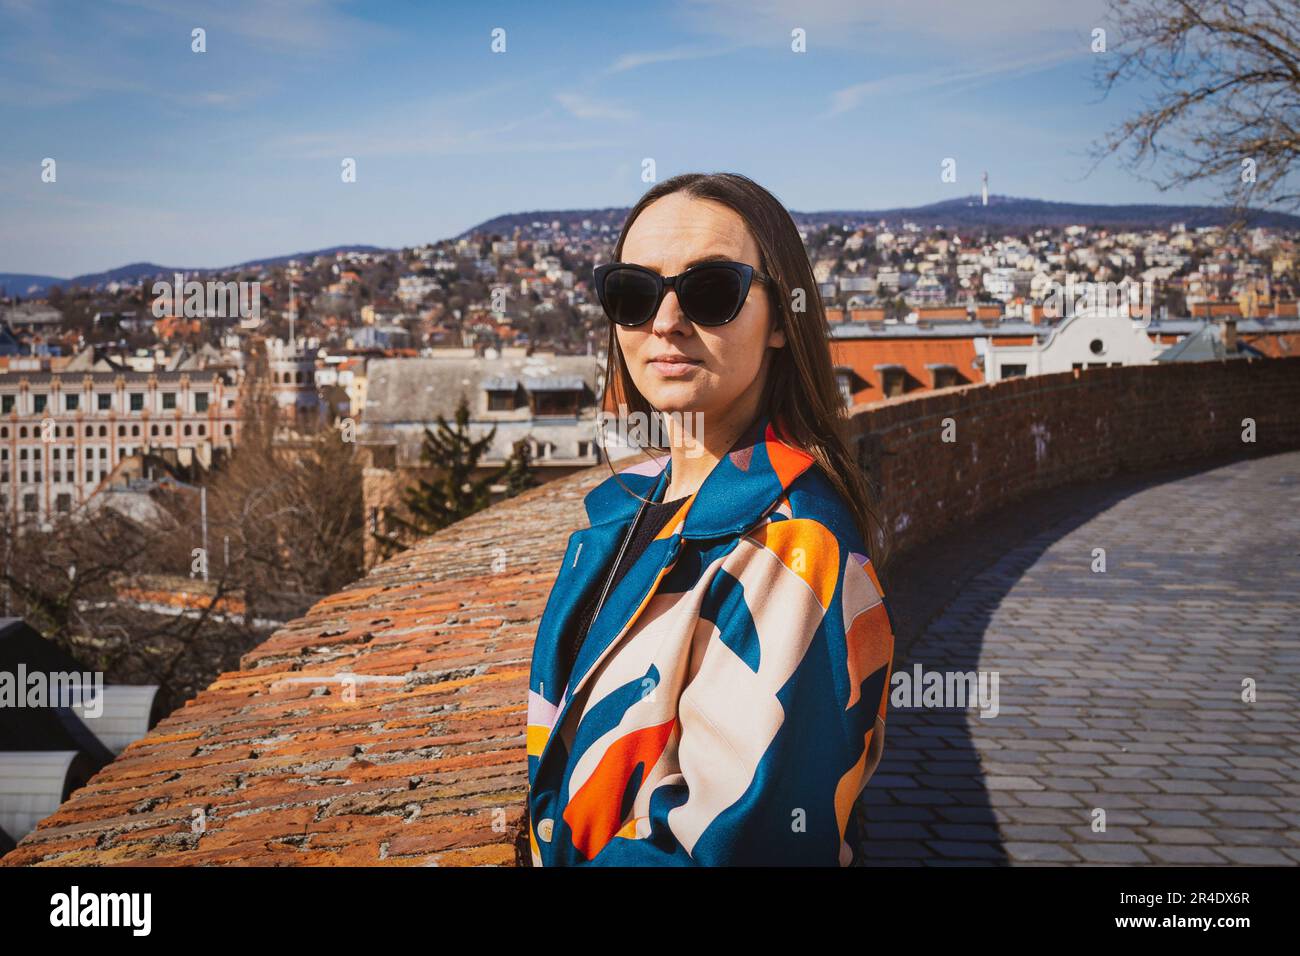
(1230, 334)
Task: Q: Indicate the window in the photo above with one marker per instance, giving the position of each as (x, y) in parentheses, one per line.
(71, 402)
(1013, 371)
(945, 377)
(103, 431)
(842, 379)
(38, 403)
(168, 431)
(104, 401)
(63, 503)
(6, 404)
(135, 431)
(500, 400)
(29, 504)
(103, 453)
(137, 401)
(200, 401)
(169, 401)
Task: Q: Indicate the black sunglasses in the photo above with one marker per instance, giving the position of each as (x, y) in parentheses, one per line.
(711, 293)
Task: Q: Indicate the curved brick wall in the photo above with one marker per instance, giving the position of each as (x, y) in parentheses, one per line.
(1023, 435)
(419, 758)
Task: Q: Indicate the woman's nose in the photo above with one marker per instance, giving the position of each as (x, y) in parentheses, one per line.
(670, 317)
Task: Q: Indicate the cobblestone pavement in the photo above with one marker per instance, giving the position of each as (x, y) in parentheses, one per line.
(1118, 692)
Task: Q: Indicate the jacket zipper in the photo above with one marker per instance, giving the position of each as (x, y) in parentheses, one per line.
(627, 538)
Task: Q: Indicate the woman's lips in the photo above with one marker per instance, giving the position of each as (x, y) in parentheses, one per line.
(675, 367)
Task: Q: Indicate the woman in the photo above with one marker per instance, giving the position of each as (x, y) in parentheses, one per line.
(709, 677)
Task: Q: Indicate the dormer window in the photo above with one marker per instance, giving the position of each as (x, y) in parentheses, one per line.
(943, 375)
(893, 379)
(559, 395)
(501, 391)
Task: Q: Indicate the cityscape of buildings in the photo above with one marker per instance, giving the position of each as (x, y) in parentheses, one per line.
(100, 388)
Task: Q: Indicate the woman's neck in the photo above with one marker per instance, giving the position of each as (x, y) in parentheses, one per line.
(698, 441)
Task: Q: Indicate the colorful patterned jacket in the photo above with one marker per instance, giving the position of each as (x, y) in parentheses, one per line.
(728, 704)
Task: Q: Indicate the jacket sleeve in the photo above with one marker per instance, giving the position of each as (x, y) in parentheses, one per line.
(781, 722)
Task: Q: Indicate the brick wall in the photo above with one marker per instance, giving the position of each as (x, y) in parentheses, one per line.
(387, 725)
(1026, 434)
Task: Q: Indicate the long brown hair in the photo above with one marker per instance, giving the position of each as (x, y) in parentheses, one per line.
(800, 393)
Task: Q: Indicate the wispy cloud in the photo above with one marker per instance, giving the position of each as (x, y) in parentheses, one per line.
(632, 61)
(954, 81)
(585, 107)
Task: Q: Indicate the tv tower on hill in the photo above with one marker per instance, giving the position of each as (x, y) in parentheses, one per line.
(985, 191)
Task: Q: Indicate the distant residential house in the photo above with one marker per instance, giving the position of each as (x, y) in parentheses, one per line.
(549, 401)
(875, 359)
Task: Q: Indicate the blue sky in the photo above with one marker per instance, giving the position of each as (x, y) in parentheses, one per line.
(202, 160)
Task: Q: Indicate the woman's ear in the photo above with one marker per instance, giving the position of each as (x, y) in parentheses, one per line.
(776, 339)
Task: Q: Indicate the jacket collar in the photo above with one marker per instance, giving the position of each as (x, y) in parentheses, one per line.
(745, 483)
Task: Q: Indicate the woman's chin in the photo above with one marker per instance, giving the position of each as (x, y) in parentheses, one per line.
(682, 399)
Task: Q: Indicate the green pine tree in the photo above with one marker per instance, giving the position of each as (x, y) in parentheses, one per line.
(519, 475)
(451, 494)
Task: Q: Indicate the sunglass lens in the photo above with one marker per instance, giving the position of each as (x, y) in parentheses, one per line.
(711, 296)
(629, 296)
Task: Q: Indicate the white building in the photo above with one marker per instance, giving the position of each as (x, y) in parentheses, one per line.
(293, 378)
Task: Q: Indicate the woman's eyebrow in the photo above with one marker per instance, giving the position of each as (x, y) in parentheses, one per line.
(709, 257)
